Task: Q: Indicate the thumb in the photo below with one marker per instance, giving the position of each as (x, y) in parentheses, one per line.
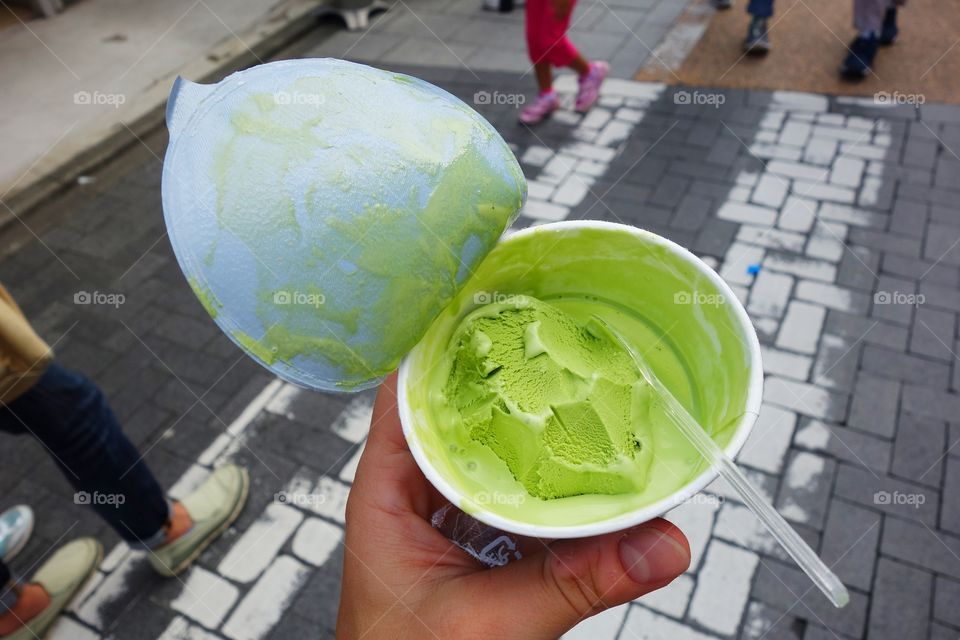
(570, 580)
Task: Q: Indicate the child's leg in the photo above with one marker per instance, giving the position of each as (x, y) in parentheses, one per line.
(544, 76)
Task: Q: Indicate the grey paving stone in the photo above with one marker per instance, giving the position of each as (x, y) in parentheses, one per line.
(859, 268)
(919, 449)
(763, 622)
(801, 267)
(890, 495)
(930, 402)
(836, 363)
(933, 332)
(915, 269)
(691, 213)
(844, 443)
(902, 366)
(805, 491)
(869, 330)
(895, 300)
(850, 541)
(909, 218)
(785, 363)
(930, 548)
(947, 595)
(788, 589)
(900, 603)
(770, 293)
(884, 241)
(874, 405)
(833, 296)
(950, 510)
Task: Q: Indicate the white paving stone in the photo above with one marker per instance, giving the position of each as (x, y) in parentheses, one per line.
(802, 267)
(353, 423)
(630, 115)
(315, 540)
(571, 191)
(768, 443)
(188, 482)
(803, 470)
(814, 435)
(614, 133)
(847, 171)
(801, 327)
(832, 296)
(820, 151)
(264, 604)
(770, 293)
(111, 588)
(349, 471)
(795, 134)
(723, 587)
(643, 624)
(596, 118)
(797, 214)
(771, 191)
(113, 559)
(672, 599)
(695, 518)
(205, 597)
(181, 629)
(67, 629)
(724, 490)
(590, 168)
(785, 363)
(545, 211)
(557, 168)
(737, 524)
(259, 544)
(92, 584)
(851, 215)
(590, 152)
(797, 170)
(325, 496)
(536, 155)
(802, 397)
(599, 627)
(739, 257)
(827, 241)
(539, 190)
(747, 213)
(823, 191)
(771, 238)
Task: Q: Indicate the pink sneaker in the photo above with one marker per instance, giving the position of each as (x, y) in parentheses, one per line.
(543, 106)
(590, 86)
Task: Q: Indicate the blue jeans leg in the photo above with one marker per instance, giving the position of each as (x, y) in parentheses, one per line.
(69, 415)
(760, 8)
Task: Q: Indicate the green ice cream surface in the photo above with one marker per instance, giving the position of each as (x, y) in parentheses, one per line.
(565, 410)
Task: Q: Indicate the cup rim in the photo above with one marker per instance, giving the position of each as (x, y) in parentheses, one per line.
(635, 516)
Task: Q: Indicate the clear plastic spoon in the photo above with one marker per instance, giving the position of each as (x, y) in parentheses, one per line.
(799, 550)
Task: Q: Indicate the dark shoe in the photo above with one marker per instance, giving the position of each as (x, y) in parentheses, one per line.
(721, 4)
(860, 59)
(889, 32)
(758, 39)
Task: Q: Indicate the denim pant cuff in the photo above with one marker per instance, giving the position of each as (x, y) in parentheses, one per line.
(155, 540)
(8, 597)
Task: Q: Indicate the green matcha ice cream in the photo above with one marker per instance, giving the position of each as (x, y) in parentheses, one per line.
(565, 410)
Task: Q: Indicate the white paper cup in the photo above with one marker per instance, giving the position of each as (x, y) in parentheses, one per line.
(554, 266)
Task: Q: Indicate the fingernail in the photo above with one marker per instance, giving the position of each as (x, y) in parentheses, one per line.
(650, 556)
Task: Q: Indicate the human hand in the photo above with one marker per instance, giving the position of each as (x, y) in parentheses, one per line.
(403, 579)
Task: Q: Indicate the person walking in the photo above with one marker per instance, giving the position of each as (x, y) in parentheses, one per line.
(876, 25)
(758, 32)
(547, 22)
(70, 417)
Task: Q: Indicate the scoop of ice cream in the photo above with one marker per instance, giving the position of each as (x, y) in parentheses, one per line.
(565, 410)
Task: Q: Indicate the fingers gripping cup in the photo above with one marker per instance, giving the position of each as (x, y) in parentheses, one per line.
(530, 422)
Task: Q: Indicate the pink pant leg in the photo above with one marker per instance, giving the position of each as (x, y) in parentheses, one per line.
(547, 35)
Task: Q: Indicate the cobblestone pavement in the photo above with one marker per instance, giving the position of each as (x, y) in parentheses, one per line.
(830, 218)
